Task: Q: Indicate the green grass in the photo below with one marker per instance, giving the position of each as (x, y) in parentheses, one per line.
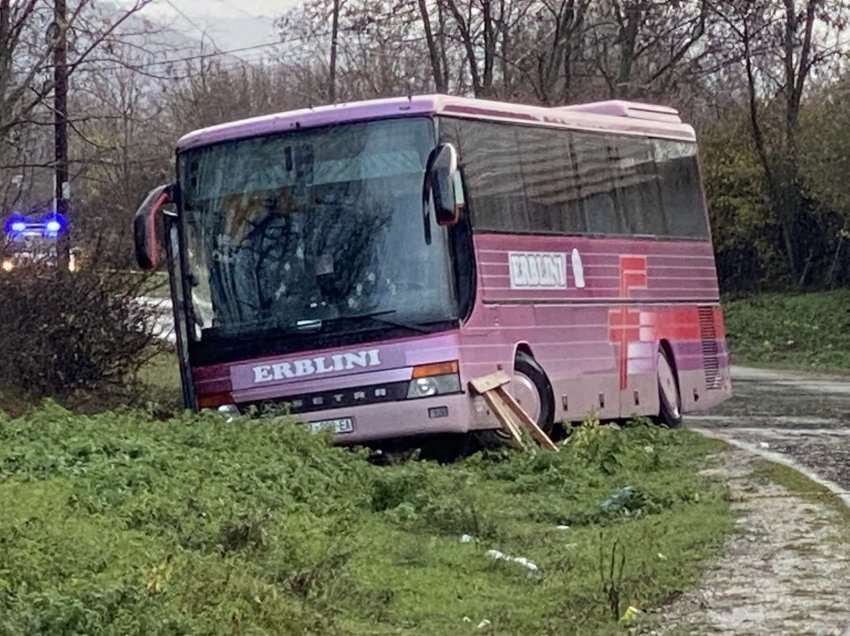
(120, 524)
(158, 387)
(807, 331)
(160, 382)
(801, 485)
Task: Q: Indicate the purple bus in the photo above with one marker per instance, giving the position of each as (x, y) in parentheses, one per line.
(358, 264)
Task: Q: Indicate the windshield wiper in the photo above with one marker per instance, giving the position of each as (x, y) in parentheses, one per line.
(377, 316)
(267, 328)
(251, 329)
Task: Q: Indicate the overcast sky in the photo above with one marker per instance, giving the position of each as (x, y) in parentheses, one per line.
(230, 23)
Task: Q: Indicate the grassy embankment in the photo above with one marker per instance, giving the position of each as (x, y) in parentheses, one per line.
(123, 525)
(805, 331)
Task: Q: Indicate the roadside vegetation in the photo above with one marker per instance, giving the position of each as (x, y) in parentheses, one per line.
(806, 331)
(82, 339)
(122, 524)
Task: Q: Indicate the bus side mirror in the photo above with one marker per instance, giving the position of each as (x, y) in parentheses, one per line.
(145, 227)
(442, 181)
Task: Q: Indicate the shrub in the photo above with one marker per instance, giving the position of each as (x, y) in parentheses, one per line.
(64, 333)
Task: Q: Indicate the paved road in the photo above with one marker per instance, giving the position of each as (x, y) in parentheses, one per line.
(805, 416)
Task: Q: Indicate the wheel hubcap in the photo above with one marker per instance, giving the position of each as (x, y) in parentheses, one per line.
(667, 385)
(525, 393)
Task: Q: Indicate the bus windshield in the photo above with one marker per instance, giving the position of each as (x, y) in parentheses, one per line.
(315, 230)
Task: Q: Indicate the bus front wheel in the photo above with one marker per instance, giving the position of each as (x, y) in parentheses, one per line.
(669, 398)
(532, 390)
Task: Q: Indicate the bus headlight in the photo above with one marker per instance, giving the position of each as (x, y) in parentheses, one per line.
(8, 265)
(434, 379)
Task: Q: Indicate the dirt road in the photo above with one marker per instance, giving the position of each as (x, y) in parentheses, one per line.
(803, 416)
(787, 570)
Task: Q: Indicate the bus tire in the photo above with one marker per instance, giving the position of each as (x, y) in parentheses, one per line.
(531, 374)
(669, 396)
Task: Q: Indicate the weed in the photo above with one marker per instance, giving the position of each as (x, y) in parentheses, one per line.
(611, 574)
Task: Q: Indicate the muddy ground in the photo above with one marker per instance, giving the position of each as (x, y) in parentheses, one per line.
(803, 416)
(788, 571)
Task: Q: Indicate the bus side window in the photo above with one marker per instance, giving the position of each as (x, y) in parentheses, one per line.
(595, 166)
(549, 181)
(681, 193)
(638, 188)
(494, 177)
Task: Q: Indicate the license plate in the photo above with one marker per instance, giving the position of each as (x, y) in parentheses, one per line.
(339, 425)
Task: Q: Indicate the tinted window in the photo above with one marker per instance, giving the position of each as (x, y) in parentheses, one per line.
(596, 171)
(542, 180)
(681, 195)
(638, 187)
(550, 180)
(491, 169)
(522, 179)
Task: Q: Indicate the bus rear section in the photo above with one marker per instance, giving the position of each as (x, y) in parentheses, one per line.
(359, 265)
(594, 259)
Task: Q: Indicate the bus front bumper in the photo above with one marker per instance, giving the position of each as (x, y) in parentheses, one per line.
(453, 413)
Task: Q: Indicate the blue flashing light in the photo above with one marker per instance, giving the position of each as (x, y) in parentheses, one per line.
(15, 225)
(49, 226)
(53, 225)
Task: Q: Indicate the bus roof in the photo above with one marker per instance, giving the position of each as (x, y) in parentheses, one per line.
(612, 116)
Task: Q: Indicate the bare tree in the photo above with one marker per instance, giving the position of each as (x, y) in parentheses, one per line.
(334, 43)
(555, 43)
(436, 47)
(779, 50)
(641, 47)
(26, 47)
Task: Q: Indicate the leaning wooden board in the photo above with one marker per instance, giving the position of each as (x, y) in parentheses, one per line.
(492, 388)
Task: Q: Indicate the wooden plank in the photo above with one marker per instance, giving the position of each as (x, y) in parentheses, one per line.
(505, 408)
(504, 417)
(489, 382)
(524, 419)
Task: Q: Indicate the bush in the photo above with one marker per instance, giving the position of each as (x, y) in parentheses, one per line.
(64, 333)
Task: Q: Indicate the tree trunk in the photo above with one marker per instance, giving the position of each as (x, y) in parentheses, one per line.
(334, 37)
(433, 53)
(468, 46)
(830, 280)
(630, 26)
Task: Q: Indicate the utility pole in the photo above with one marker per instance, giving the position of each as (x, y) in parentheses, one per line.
(60, 127)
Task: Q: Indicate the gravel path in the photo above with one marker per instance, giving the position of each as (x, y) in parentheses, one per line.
(788, 571)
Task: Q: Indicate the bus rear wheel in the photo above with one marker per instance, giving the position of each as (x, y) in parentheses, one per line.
(669, 398)
(532, 390)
